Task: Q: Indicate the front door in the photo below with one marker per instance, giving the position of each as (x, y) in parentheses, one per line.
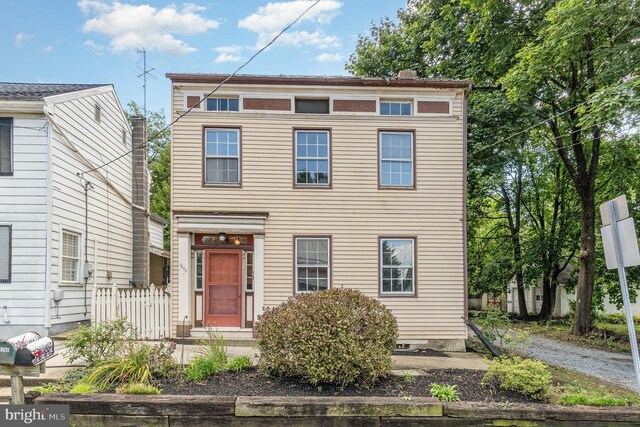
(223, 287)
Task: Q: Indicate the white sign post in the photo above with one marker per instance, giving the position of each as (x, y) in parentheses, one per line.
(621, 250)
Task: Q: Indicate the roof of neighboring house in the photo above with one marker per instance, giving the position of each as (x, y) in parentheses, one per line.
(319, 80)
(157, 218)
(39, 91)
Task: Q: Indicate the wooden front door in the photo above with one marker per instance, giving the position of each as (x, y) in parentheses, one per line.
(223, 287)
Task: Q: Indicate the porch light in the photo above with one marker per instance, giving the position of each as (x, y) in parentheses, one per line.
(222, 237)
(237, 241)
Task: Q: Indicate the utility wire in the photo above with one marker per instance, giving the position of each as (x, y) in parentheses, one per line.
(549, 150)
(507, 138)
(158, 133)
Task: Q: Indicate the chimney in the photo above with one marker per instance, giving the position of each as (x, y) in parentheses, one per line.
(407, 75)
(140, 199)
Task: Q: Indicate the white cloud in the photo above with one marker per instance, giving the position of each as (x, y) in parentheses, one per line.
(329, 57)
(136, 26)
(47, 49)
(97, 48)
(21, 38)
(228, 54)
(269, 20)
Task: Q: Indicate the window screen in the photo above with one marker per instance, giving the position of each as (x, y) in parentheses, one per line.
(312, 106)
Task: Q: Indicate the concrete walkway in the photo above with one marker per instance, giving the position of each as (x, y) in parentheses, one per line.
(613, 367)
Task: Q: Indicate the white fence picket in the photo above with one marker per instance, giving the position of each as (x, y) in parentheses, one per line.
(147, 309)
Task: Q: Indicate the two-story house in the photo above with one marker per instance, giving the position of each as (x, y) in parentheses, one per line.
(69, 203)
(290, 184)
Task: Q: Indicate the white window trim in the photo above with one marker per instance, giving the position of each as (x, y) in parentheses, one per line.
(413, 159)
(296, 265)
(328, 158)
(219, 96)
(238, 156)
(61, 257)
(412, 266)
(412, 104)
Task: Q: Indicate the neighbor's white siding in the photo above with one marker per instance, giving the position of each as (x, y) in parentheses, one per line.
(109, 216)
(156, 234)
(23, 205)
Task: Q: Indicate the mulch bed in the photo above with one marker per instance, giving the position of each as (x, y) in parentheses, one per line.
(421, 352)
(253, 383)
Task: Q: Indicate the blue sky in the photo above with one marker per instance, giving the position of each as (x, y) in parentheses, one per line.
(95, 41)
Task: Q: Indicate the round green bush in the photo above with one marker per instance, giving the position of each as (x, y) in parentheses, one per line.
(338, 336)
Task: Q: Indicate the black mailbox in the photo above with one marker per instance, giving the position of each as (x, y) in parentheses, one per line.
(35, 352)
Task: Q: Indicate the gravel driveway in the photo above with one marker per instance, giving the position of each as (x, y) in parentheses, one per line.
(614, 367)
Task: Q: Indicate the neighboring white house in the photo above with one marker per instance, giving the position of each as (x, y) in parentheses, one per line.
(64, 227)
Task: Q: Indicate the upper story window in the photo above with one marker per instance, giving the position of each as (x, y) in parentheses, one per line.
(396, 159)
(312, 106)
(222, 104)
(395, 108)
(313, 156)
(312, 263)
(97, 113)
(70, 256)
(5, 253)
(6, 145)
(222, 156)
(397, 266)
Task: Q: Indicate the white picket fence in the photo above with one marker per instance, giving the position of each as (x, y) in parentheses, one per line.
(149, 310)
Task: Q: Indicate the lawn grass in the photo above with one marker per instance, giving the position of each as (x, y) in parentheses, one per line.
(575, 388)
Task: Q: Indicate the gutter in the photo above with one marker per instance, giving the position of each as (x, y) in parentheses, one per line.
(464, 203)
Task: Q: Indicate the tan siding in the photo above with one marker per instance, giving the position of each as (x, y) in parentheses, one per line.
(354, 212)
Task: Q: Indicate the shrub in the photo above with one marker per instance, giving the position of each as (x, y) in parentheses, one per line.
(211, 359)
(202, 368)
(137, 388)
(161, 359)
(47, 388)
(445, 393)
(239, 363)
(338, 336)
(528, 377)
(99, 342)
(496, 326)
(83, 388)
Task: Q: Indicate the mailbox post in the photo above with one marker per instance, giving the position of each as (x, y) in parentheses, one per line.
(24, 356)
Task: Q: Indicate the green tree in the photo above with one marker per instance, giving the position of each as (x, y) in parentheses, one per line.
(159, 163)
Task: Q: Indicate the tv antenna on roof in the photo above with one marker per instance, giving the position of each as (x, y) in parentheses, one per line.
(145, 72)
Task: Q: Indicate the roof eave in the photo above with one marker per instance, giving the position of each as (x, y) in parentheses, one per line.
(318, 81)
(21, 106)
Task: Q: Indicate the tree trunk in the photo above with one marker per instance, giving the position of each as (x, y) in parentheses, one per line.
(586, 277)
(547, 306)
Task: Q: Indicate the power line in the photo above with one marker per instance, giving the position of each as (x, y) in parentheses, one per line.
(507, 138)
(158, 133)
(549, 150)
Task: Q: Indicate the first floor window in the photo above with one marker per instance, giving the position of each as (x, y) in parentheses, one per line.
(199, 266)
(222, 156)
(397, 266)
(5, 253)
(70, 256)
(312, 157)
(312, 263)
(396, 159)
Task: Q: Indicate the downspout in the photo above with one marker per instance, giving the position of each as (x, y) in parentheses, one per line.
(464, 202)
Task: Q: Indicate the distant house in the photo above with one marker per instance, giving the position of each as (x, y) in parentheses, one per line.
(283, 185)
(69, 215)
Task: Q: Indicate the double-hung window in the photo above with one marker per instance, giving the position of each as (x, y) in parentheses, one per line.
(396, 159)
(397, 266)
(70, 257)
(6, 145)
(222, 156)
(313, 157)
(395, 108)
(222, 104)
(5, 253)
(312, 263)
